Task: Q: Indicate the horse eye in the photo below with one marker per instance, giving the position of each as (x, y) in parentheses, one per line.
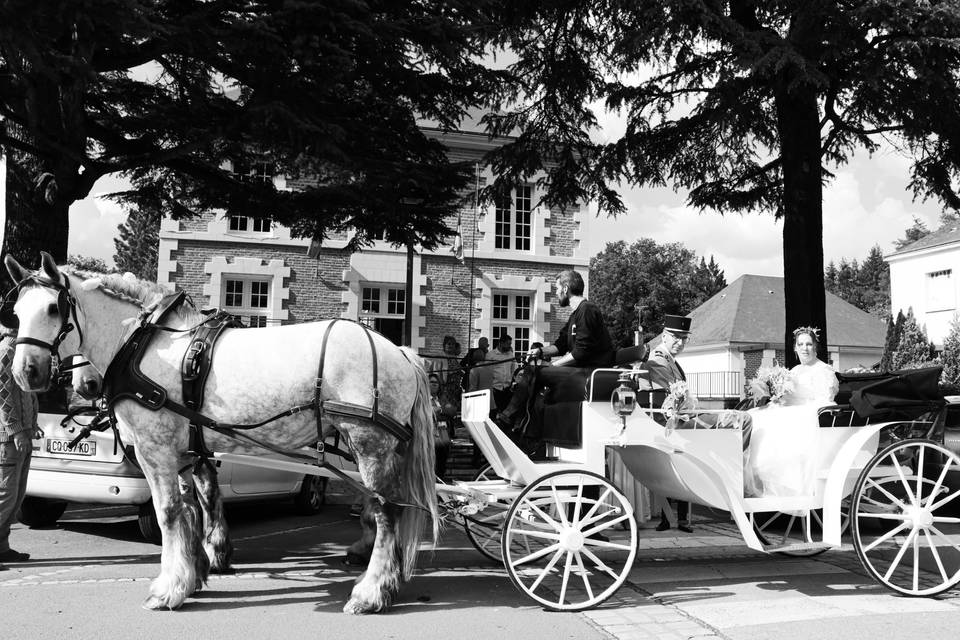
(52, 309)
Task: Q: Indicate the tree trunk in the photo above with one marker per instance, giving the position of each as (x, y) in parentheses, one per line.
(31, 223)
(37, 206)
(798, 122)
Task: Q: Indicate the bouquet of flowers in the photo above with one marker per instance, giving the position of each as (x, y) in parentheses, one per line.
(771, 384)
(678, 401)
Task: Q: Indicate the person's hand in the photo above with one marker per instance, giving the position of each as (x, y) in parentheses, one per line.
(21, 441)
(536, 353)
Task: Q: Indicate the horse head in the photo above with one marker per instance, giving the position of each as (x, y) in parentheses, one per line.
(44, 308)
(86, 380)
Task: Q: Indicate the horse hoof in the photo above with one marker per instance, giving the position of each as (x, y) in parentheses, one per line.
(356, 607)
(153, 603)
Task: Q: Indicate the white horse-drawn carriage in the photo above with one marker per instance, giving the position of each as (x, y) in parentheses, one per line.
(567, 534)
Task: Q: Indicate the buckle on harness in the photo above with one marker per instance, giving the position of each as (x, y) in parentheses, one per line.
(192, 359)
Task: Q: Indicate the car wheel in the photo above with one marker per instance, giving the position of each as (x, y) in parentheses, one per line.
(149, 526)
(40, 512)
(312, 495)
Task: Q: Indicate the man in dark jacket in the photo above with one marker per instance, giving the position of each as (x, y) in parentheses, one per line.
(584, 344)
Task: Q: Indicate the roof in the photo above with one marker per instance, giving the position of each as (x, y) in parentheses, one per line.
(751, 310)
(947, 234)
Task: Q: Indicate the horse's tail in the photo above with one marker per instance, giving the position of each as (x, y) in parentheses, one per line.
(419, 473)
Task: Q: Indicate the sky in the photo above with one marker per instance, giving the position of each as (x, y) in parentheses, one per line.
(866, 204)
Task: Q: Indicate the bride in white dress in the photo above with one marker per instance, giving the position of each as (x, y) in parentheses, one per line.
(782, 453)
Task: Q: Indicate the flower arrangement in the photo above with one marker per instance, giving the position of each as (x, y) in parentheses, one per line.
(678, 401)
(770, 384)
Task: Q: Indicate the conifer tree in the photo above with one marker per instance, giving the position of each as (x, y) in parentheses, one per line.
(745, 105)
(951, 357)
(894, 329)
(913, 349)
(137, 243)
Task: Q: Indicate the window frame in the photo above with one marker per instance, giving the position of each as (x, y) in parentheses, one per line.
(940, 294)
(518, 320)
(247, 312)
(513, 225)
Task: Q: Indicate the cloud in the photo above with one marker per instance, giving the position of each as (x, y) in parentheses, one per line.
(94, 221)
(866, 204)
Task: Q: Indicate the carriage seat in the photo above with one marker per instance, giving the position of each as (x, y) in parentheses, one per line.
(581, 387)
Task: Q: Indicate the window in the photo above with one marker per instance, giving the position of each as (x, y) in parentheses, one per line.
(940, 291)
(513, 221)
(258, 171)
(247, 299)
(384, 309)
(248, 223)
(511, 314)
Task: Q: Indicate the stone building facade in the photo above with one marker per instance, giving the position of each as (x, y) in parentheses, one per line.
(502, 283)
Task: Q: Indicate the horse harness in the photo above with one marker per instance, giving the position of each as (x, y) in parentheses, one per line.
(124, 379)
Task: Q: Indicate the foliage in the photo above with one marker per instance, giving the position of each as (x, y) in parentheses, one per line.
(196, 101)
(658, 278)
(137, 243)
(865, 285)
(892, 340)
(913, 233)
(745, 104)
(88, 263)
(914, 349)
(950, 357)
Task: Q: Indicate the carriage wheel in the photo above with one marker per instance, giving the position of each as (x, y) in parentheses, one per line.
(562, 543)
(905, 528)
(779, 528)
(485, 529)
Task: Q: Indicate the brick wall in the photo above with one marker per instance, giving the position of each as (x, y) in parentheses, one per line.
(751, 363)
(315, 284)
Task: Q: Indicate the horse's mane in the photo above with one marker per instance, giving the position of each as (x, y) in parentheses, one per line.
(142, 293)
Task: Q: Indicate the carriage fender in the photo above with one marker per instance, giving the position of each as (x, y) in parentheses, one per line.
(734, 502)
(837, 476)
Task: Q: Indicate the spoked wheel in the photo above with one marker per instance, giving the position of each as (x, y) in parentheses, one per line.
(779, 529)
(562, 542)
(484, 529)
(904, 527)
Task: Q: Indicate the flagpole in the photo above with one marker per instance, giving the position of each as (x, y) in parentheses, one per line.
(473, 251)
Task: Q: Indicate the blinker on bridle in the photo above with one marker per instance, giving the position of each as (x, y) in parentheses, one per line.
(66, 307)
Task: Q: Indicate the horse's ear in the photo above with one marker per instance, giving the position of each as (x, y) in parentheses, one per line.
(17, 272)
(49, 266)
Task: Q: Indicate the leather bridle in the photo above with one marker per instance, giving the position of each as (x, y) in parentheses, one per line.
(66, 308)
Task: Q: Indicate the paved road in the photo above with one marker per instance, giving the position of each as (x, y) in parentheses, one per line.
(91, 573)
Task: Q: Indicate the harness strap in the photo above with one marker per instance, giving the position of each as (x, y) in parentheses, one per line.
(397, 429)
(198, 358)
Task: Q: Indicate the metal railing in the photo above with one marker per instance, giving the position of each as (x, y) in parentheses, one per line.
(716, 384)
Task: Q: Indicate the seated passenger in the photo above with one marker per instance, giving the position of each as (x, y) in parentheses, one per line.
(782, 454)
(584, 344)
(501, 362)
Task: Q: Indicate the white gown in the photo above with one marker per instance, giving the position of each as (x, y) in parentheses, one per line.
(783, 446)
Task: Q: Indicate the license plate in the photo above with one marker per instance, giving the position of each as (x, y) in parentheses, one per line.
(82, 448)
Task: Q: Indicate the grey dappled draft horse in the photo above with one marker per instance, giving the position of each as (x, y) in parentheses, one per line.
(255, 374)
(87, 383)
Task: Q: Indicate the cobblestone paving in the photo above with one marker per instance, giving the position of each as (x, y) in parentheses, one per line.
(706, 584)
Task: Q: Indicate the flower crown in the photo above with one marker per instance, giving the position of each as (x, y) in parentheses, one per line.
(813, 331)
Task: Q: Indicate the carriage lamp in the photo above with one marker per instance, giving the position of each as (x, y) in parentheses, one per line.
(624, 398)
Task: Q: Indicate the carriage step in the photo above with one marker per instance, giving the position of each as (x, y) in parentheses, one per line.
(796, 546)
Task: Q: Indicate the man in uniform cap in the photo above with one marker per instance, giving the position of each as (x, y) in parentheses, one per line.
(664, 370)
(662, 362)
